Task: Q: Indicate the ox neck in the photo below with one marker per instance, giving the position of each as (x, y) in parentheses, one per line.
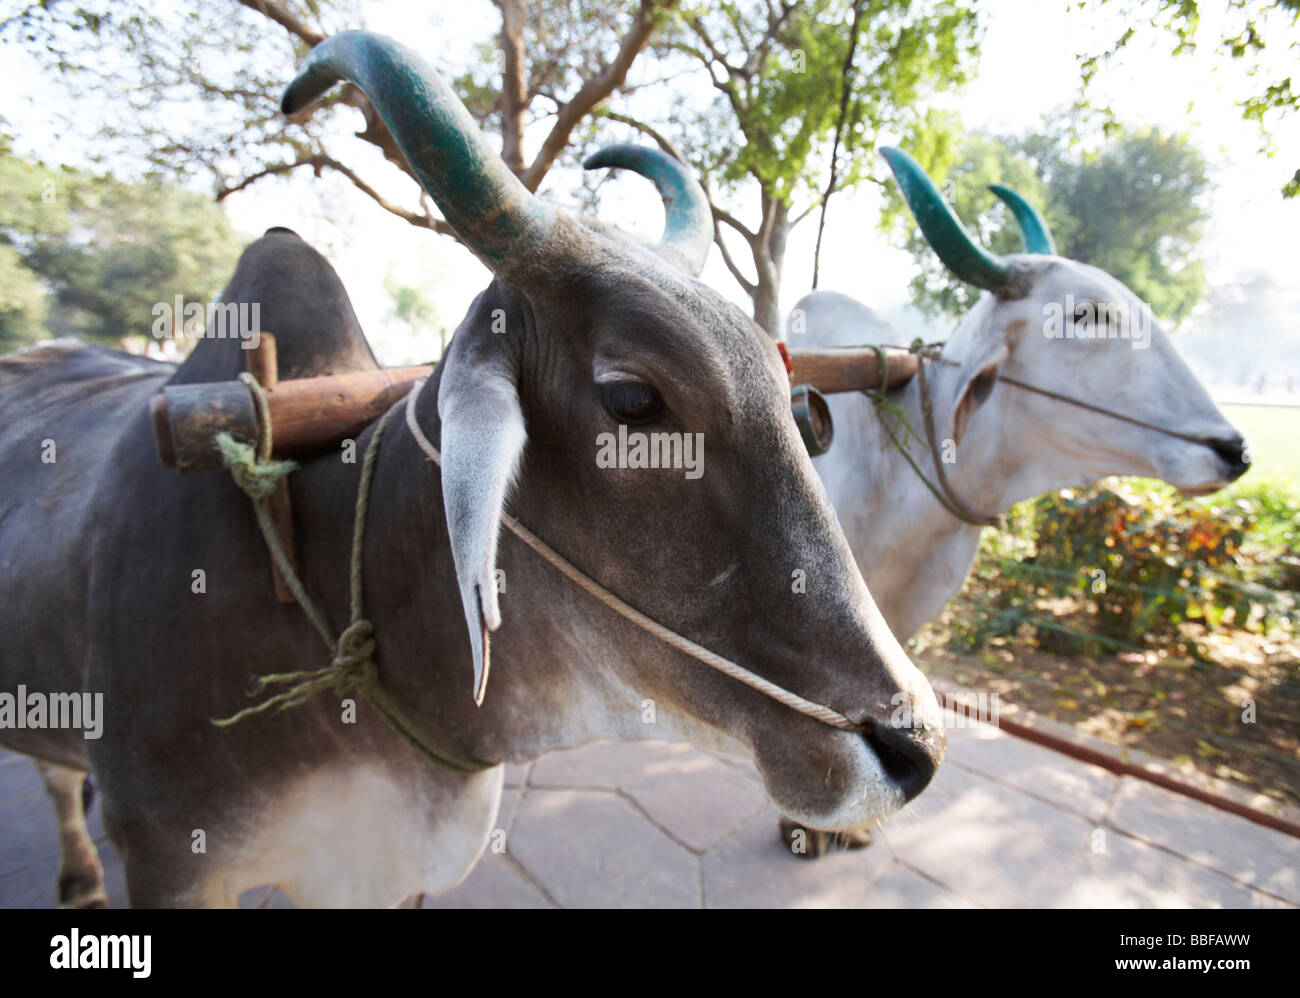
(412, 599)
(913, 552)
(324, 492)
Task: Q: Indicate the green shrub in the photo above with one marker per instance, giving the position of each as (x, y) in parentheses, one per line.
(1144, 560)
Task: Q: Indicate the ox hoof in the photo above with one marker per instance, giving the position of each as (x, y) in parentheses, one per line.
(809, 843)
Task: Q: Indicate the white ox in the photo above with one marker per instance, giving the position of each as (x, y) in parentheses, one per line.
(1007, 443)
(1041, 325)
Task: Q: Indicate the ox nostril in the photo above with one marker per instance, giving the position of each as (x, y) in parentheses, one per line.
(909, 756)
(1231, 452)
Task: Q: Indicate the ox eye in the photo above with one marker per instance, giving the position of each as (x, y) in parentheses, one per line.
(630, 401)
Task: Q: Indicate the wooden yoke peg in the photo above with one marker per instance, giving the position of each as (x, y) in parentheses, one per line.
(263, 364)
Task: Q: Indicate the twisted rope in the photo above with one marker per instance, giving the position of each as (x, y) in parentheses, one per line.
(944, 493)
(352, 662)
(671, 638)
(954, 503)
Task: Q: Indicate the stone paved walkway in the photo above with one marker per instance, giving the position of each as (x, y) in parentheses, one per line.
(659, 824)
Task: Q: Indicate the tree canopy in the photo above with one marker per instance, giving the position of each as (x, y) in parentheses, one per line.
(788, 98)
(198, 86)
(87, 255)
(1250, 27)
(1133, 206)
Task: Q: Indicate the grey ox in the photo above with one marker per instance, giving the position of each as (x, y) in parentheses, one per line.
(582, 329)
(1047, 323)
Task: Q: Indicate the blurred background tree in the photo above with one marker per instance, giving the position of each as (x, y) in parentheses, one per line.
(803, 89)
(1133, 205)
(219, 69)
(1247, 29)
(90, 256)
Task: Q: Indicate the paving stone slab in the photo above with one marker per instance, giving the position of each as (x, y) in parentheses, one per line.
(1129, 873)
(753, 868)
(989, 842)
(31, 832)
(494, 883)
(517, 775)
(607, 765)
(33, 886)
(700, 801)
(1069, 783)
(902, 887)
(592, 849)
(1245, 851)
(21, 779)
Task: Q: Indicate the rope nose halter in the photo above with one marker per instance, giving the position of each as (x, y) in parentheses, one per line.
(353, 664)
(668, 636)
(944, 492)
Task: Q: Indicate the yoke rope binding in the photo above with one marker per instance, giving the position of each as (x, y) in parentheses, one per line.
(352, 664)
(882, 403)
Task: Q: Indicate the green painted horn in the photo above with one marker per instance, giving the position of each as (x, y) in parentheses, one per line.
(1034, 232)
(688, 225)
(483, 201)
(942, 228)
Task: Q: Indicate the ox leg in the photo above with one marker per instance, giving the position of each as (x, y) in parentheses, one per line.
(81, 876)
(809, 843)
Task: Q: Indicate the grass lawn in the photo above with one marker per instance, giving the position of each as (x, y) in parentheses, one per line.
(1274, 433)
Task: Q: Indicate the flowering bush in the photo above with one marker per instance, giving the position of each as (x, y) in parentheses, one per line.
(1145, 559)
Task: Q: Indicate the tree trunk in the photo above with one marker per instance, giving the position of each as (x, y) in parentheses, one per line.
(769, 259)
(514, 97)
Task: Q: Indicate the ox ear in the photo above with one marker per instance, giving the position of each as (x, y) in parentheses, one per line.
(483, 439)
(979, 374)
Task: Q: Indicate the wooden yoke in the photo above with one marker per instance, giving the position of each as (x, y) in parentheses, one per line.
(307, 414)
(850, 369)
(310, 414)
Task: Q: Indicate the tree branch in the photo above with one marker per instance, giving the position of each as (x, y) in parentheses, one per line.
(846, 88)
(701, 32)
(321, 161)
(284, 17)
(664, 143)
(514, 95)
(749, 286)
(817, 202)
(594, 91)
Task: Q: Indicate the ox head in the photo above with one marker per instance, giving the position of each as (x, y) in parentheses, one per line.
(1075, 330)
(586, 346)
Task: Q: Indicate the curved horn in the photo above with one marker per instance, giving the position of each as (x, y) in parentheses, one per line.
(943, 229)
(480, 197)
(1034, 232)
(688, 225)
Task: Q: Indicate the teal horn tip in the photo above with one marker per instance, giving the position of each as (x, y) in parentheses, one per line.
(487, 205)
(688, 225)
(1034, 232)
(943, 229)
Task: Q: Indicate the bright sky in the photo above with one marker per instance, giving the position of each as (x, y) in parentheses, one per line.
(1027, 70)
